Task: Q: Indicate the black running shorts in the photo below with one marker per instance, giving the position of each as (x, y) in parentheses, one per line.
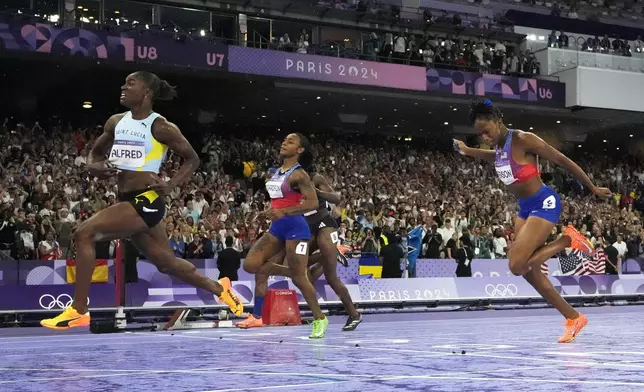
(327, 221)
(148, 204)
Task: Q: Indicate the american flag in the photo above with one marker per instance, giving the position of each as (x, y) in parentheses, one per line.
(575, 262)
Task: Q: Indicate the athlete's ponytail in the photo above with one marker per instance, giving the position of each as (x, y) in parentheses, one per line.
(166, 92)
(306, 157)
(161, 89)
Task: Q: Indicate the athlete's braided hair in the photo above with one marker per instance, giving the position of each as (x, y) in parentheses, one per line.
(484, 110)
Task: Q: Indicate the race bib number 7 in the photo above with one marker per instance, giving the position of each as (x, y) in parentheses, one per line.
(302, 249)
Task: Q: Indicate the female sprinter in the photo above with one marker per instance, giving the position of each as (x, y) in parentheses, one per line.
(292, 194)
(324, 236)
(515, 160)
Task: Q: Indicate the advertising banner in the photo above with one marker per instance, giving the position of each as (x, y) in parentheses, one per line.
(155, 289)
(41, 284)
(478, 84)
(325, 69)
(423, 289)
(125, 48)
(53, 297)
(162, 50)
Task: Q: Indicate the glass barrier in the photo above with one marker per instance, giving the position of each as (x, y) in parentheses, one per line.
(580, 55)
(127, 13)
(184, 19)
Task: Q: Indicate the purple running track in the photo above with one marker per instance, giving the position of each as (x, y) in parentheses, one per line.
(504, 351)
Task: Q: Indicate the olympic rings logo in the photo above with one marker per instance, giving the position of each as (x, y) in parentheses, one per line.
(501, 290)
(48, 301)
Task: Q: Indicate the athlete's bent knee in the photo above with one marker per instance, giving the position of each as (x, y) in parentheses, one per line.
(84, 234)
(253, 262)
(251, 267)
(519, 266)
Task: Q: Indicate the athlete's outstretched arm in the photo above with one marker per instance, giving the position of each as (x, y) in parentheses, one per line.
(325, 191)
(538, 146)
(170, 135)
(461, 148)
(102, 145)
(301, 181)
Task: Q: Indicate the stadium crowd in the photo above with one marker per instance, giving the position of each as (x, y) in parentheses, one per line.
(387, 186)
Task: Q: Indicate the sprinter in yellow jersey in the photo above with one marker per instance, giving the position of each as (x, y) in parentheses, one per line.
(133, 146)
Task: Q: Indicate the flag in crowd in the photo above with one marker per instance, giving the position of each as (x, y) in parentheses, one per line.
(575, 262)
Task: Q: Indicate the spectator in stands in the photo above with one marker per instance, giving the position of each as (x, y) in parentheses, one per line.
(484, 244)
(633, 245)
(400, 48)
(605, 44)
(369, 244)
(189, 212)
(638, 44)
(209, 246)
(28, 247)
(618, 45)
(285, 43)
(229, 261)
(613, 262)
(414, 51)
(500, 244)
(434, 242)
(573, 13)
(447, 231)
(428, 56)
(464, 255)
(390, 258)
(372, 47)
(428, 17)
(195, 248)
(48, 248)
(621, 247)
(198, 204)
(562, 39)
(456, 20)
(553, 40)
(451, 246)
(177, 244)
(302, 44)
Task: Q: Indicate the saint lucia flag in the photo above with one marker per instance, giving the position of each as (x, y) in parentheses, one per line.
(414, 246)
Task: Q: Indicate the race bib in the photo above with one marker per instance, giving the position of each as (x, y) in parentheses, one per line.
(302, 248)
(334, 237)
(127, 153)
(505, 174)
(274, 189)
(549, 203)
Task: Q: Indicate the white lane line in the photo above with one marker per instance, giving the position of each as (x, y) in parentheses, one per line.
(131, 373)
(445, 377)
(86, 345)
(443, 353)
(87, 370)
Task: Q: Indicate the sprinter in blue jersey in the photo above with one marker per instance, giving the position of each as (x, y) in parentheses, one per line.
(133, 147)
